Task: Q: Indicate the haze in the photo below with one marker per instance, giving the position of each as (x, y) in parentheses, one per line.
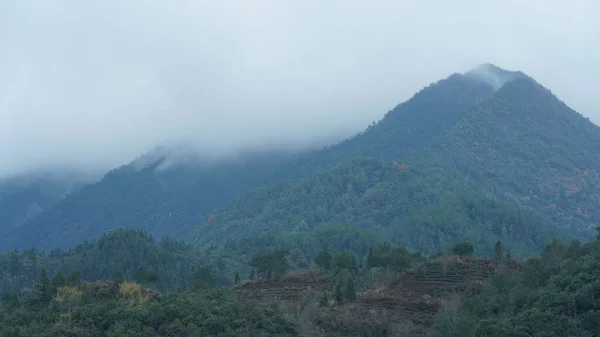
(93, 84)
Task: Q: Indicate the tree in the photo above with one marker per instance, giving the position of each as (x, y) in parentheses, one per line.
(10, 300)
(498, 250)
(323, 260)
(252, 275)
(74, 278)
(58, 281)
(324, 301)
(203, 279)
(44, 292)
(298, 259)
(144, 276)
(15, 263)
(350, 290)
(236, 279)
(463, 248)
(270, 263)
(370, 258)
(339, 295)
(346, 260)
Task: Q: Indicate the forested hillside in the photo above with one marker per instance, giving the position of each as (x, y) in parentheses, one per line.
(553, 295)
(129, 254)
(388, 291)
(171, 199)
(526, 144)
(25, 196)
(424, 208)
(496, 128)
(161, 201)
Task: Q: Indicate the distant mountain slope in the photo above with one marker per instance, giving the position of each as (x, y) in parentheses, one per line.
(524, 143)
(161, 201)
(167, 198)
(425, 209)
(25, 196)
(411, 125)
(499, 128)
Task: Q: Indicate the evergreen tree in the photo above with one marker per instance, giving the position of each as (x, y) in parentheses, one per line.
(463, 248)
(15, 263)
(58, 281)
(203, 279)
(323, 259)
(273, 263)
(252, 275)
(346, 260)
(74, 278)
(44, 291)
(236, 279)
(498, 250)
(10, 300)
(350, 290)
(370, 258)
(324, 301)
(339, 295)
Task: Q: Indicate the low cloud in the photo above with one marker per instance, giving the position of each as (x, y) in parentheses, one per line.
(94, 84)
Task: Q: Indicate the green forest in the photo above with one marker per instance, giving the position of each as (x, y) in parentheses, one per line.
(518, 144)
(424, 208)
(468, 210)
(551, 294)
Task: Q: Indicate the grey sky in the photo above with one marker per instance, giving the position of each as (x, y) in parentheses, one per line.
(95, 83)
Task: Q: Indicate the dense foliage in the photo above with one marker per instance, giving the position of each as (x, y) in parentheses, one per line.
(425, 209)
(126, 309)
(22, 197)
(555, 294)
(525, 143)
(130, 254)
(164, 197)
(551, 295)
(519, 142)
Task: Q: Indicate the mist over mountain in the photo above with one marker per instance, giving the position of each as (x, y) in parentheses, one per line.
(25, 196)
(308, 168)
(458, 123)
(87, 88)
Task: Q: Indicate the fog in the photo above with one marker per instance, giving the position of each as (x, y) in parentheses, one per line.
(93, 84)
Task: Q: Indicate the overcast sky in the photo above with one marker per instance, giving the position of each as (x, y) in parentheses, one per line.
(96, 83)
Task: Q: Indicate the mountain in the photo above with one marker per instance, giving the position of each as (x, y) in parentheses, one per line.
(498, 128)
(156, 195)
(423, 208)
(524, 143)
(25, 196)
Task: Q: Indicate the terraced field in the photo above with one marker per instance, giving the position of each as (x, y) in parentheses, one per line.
(413, 298)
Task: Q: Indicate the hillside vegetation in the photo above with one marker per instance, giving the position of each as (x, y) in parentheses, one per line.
(526, 144)
(25, 196)
(425, 209)
(472, 145)
(168, 197)
(128, 254)
(390, 291)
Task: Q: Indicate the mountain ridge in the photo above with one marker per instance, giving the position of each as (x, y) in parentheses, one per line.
(427, 127)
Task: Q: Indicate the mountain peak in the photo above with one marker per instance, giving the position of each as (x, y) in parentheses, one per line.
(494, 75)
